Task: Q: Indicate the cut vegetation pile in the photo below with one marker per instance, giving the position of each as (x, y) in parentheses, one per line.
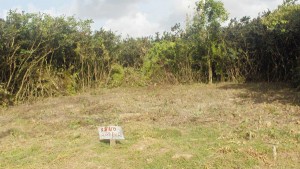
(188, 126)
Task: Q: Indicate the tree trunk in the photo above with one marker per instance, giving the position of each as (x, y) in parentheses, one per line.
(210, 72)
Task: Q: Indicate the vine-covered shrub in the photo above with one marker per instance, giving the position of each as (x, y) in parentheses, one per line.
(134, 77)
(159, 62)
(117, 75)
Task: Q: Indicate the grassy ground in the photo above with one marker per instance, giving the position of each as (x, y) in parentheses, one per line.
(189, 126)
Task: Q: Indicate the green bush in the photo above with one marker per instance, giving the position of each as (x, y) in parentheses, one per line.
(160, 60)
(134, 77)
(117, 75)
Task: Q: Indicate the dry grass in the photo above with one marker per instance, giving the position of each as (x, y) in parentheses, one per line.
(189, 126)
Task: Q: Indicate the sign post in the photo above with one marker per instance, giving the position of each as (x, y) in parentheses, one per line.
(111, 133)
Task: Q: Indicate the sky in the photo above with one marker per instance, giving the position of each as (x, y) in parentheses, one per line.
(133, 17)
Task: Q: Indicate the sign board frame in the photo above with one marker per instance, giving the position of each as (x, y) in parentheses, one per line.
(111, 133)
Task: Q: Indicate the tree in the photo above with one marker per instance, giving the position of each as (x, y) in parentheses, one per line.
(207, 27)
(133, 51)
(284, 25)
(159, 61)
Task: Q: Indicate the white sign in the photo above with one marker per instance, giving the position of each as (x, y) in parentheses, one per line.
(111, 133)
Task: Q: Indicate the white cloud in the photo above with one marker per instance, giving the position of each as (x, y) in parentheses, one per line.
(105, 9)
(145, 17)
(134, 25)
(3, 14)
(140, 17)
(31, 9)
(51, 11)
(179, 11)
(240, 8)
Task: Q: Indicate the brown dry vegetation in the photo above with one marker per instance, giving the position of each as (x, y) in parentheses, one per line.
(183, 126)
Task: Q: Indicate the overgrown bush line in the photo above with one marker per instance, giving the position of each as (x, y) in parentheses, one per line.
(42, 55)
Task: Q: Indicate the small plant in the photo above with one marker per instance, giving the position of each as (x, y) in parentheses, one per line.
(5, 97)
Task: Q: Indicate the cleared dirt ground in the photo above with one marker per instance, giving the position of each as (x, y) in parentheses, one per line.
(183, 126)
